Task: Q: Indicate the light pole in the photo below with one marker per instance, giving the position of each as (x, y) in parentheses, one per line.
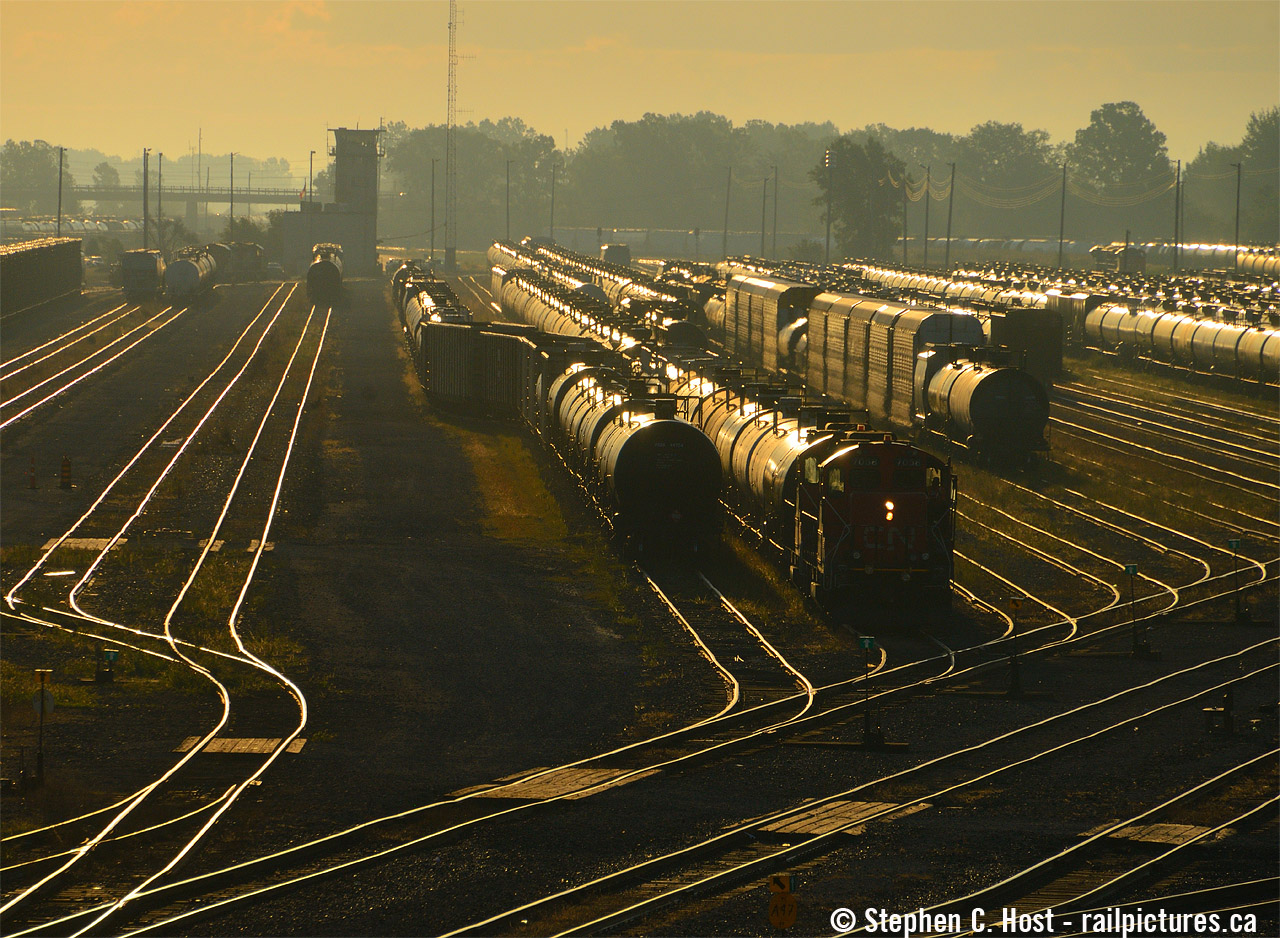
(764, 204)
(311, 179)
(951, 201)
(928, 196)
(906, 183)
(1237, 166)
(231, 212)
(1062, 216)
(509, 162)
(60, 152)
(146, 153)
(724, 241)
(826, 253)
(1177, 205)
(553, 201)
(775, 211)
(434, 161)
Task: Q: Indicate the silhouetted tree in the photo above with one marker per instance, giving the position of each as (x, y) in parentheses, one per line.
(1120, 147)
(866, 211)
(29, 178)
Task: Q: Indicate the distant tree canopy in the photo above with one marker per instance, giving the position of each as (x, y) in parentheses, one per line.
(1210, 185)
(29, 178)
(683, 172)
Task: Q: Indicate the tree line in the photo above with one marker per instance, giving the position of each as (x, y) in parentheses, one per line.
(691, 173)
(688, 172)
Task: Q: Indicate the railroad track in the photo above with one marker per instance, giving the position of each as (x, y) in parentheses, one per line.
(154, 831)
(33, 380)
(628, 896)
(442, 821)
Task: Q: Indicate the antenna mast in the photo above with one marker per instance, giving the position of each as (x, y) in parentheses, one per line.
(450, 155)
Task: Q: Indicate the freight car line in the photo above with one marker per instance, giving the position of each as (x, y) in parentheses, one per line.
(767, 860)
(243, 656)
(86, 360)
(64, 337)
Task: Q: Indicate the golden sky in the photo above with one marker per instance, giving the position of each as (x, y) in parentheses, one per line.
(267, 78)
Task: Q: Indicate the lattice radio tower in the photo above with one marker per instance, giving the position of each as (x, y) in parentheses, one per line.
(451, 149)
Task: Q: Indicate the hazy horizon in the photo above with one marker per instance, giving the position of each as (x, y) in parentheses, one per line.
(267, 78)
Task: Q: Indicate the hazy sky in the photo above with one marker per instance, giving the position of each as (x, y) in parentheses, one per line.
(267, 78)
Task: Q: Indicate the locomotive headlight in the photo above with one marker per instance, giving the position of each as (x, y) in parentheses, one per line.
(888, 511)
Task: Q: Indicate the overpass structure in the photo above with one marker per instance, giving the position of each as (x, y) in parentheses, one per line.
(190, 197)
(192, 194)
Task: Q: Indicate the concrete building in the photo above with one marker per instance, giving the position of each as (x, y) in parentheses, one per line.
(351, 220)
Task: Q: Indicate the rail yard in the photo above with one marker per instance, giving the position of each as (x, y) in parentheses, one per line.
(563, 596)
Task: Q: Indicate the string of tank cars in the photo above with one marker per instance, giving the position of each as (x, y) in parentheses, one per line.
(417, 841)
(242, 507)
(1215, 470)
(1175, 600)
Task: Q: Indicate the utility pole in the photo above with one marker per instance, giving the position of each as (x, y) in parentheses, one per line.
(508, 200)
(775, 211)
(951, 200)
(553, 200)
(434, 161)
(1237, 258)
(724, 241)
(906, 181)
(60, 151)
(1177, 209)
(1062, 215)
(826, 252)
(764, 204)
(231, 212)
(145, 208)
(160, 206)
(451, 149)
(311, 179)
(928, 197)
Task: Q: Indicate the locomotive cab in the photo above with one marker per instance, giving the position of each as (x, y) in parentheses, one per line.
(884, 524)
